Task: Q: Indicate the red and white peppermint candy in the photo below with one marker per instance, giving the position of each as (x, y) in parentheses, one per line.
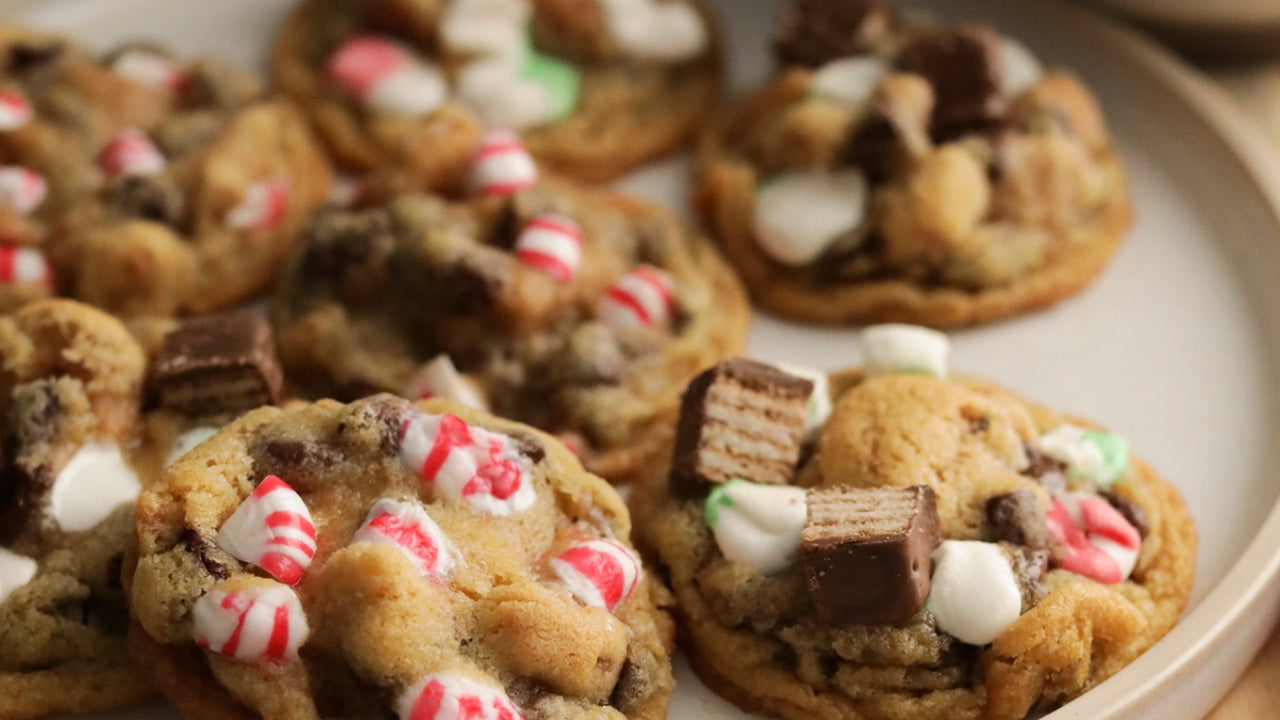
(1099, 542)
(640, 298)
(262, 206)
(601, 573)
(147, 67)
(502, 165)
(15, 110)
(24, 266)
(440, 379)
(462, 462)
(445, 696)
(408, 527)
(130, 152)
(553, 244)
(272, 529)
(386, 75)
(21, 189)
(257, 624)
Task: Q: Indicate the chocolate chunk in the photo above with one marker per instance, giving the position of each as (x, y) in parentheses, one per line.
(351, 250)
(867, 553)
(1132, 511)
(211, 557)
(218, 364)
(963, 66)
(148, 198)
(815, 32)
(1018, 517)
(739, 420)
(894, 129)
(1029, 566)
(36, 58)
(477, 278)
(300, 454)
(1050, 473)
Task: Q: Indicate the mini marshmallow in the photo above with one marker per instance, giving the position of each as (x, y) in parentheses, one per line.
(1020, 68)
(93, 483)
(147, 67)
(407, 527)
(15, 571)
(440, 379)
(662, 32)
(261, 624)
(23, 266)
(798, 215)
(904, 349)
(551, 243)
(272, 529)
(502, 165)
(388, 76)
(131, 152)
(975, 595)
(600, 573)
(641, 298)
(485, 27)
(1097, 541)
(445, 696)
(21, 189)
(262, 206)
(1101, 456)
(849, 81)
(757, 524)
(187, 441)
(15, 111)
(820, 406)
(482, 468)
(523, 92)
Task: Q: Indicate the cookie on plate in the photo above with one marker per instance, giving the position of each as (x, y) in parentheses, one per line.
(581, 312)
(404, 87)
(384, 558)
(929, 547)
(897, 171)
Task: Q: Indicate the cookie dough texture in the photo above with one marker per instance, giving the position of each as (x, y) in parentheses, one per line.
(376, 625)
(753, 638)
(629, 111)
(70, 375)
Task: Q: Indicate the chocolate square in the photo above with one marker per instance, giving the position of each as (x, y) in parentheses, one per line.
(739, 420)
(218, 364)
(867, 553)
(1018, 517)
(815, 32)
(963, 65)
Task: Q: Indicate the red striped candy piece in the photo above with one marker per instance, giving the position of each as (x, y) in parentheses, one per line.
(601, 573)
(408, 527)
(444, 696)
(386, 75)
(24, 266)
(361, 62)
(482, 468)
(262, 206)
(640, 298)
(130, 152)
(272, 529)
(15, 111)
(502, 165)
(149, 68)
(553, 244)
(1098, 541)
(258, 624)
(21, 189)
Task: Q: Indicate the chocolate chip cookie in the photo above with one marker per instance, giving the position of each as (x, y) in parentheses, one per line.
(903, 545)
(900, 171)
(384, 558)
(404, 87)
(580, 312)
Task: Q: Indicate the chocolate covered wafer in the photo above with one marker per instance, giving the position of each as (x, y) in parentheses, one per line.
(963, 66)
(218, 364)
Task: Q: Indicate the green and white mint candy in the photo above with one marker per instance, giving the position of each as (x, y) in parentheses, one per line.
(819, 408)
(756, 524)
(903, 349)
(1101, 456)
(849, 81)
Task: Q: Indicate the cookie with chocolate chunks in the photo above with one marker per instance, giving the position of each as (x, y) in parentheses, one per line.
(218, 364)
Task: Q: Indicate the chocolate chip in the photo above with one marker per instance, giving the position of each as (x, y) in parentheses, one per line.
(815, 32)
(1018, 517)
(633, 687)
(302, 454)
(979, 425)
(1029, 566)
(39, 58)
(895, 128)
(1050, 473)
(1132, 511)
(528, 446)
(218, 364)
(147, 198)
(211, 557)
(963, 66)
(739, 420)
(867, 553)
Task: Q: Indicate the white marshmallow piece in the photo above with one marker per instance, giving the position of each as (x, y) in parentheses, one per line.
(485, 27)
(502, 165)
(21, 189)
(659, 31)
(974, 594)
(272, 529)
(600, 573)
(264, 624)
(482, 468)
(187, 441)
(24, 265)
(262, 206)
(445, 696)
(149, 68)
(798, 215)
(407, 527)
(440, 379)
(849, 81)
(15, 111)
(903, 349)
(93, 483)
(820, 406)
(15, 571)
(641, 298)
(757, 524)
(388, 76)
(1020, 69)
(1104, 457)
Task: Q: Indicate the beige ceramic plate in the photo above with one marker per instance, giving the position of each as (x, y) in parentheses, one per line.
(1175, 346)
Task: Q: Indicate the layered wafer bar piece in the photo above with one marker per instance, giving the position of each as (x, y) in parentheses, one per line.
(218, 363)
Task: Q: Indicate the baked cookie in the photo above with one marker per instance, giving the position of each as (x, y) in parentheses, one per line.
(930, 547)
(900, 172)
(581, 312)
(384, 558)
(404, 87)
(164, 187)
